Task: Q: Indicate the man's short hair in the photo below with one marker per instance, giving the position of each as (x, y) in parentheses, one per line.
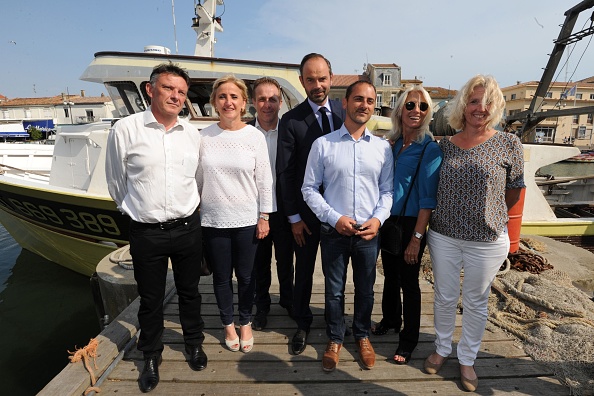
(311, 56)
(168, 68)
(265, 80)
(350, 88)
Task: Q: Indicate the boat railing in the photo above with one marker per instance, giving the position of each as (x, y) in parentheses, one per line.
(561, 180)
(24, 172)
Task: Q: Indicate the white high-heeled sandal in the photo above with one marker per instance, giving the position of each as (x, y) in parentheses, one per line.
(247, 345)
(233, 345)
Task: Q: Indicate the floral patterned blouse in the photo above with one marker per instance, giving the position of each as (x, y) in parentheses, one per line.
(472, 184)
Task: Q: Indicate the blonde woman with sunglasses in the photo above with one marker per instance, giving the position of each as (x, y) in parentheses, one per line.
(415, 153)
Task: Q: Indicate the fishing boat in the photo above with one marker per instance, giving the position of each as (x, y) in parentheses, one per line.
(559, 207)
(63, 212)
(23, 158)
(584, 156)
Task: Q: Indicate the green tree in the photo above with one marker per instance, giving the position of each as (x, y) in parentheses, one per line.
(34, 132)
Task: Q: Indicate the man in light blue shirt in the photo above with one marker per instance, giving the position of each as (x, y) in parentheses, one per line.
(355, 170)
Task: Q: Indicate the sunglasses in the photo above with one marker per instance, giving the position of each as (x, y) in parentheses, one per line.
(411, 106)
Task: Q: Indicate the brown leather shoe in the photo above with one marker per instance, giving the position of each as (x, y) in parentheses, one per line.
(366, 353)
(330, 358)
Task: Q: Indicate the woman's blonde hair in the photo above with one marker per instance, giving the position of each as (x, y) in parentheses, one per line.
(229, 78)
(493, 98)
(396, 116)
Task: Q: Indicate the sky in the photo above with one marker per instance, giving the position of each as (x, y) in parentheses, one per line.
(46, 45)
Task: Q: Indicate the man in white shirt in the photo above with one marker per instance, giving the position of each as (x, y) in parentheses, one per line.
(151, 165)
(267, 97)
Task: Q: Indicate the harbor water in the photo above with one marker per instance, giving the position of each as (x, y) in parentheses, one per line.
(45, 311)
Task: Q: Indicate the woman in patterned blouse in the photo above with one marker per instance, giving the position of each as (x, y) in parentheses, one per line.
(481, 177)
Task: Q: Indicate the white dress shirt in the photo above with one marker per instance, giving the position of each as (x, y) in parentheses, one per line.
(152, 173)
(271, 137)
(316, 109)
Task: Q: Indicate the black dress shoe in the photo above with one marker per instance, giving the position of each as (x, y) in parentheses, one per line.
(381, 328)
(260, 321)
(198, 358)
(149, 379)
(299, 341)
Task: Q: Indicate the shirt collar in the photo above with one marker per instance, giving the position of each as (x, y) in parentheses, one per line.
(342, 132)
(149, 118)
(263, 130)
(316, 107)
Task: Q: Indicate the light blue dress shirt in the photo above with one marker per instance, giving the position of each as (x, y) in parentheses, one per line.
(356, 175)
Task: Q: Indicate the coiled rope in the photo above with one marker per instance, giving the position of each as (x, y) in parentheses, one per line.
(122, 257)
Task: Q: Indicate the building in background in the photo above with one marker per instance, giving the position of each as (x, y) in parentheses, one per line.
(388, 82)
(576, 129)
(47, 113)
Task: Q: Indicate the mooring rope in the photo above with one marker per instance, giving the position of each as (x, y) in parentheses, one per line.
(85, 354)
(117, 257)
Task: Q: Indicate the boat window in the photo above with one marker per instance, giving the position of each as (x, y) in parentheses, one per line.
(199, 97)
(125, 97)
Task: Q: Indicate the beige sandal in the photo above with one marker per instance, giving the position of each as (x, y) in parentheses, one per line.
(233, 345)
(247, 345)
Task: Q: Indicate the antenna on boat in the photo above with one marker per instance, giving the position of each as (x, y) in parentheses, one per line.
(174, 28)
(204, 24)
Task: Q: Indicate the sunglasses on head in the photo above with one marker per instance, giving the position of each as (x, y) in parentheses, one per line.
(411, 105)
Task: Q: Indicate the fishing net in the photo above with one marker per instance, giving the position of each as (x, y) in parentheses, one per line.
(552, 319)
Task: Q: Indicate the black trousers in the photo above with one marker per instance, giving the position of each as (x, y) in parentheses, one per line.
(281, 237)
(305, 261)
(402, 276)
(151, 248)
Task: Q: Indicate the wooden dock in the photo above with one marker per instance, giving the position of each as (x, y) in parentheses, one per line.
(502, 365)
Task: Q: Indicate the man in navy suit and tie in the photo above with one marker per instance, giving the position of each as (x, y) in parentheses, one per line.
(298, 129)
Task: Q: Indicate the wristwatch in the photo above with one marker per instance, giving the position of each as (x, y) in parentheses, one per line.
(264, 217)
(418, 235)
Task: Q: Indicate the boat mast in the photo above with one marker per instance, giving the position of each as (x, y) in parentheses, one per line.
(204, 24)
(531, 117)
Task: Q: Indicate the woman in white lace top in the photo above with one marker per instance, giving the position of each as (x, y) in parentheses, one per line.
(235, 183)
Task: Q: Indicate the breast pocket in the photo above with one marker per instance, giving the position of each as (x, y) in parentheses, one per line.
(190, 164)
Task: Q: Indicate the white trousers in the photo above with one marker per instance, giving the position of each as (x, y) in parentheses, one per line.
(480, 261)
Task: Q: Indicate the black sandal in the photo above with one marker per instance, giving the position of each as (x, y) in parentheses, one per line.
(381, 329)
(405, 355)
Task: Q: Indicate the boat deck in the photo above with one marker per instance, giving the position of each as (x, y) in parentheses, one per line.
(502, 365)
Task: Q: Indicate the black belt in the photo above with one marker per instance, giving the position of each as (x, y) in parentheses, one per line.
(166, 225)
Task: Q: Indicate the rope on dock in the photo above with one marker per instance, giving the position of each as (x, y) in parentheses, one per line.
(85, 354)
(122, 257)
(529, 261)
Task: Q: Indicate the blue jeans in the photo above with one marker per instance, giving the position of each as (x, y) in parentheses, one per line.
(336, 251)
(232, 250)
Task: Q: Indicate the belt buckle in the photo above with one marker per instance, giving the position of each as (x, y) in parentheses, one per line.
(167, 225)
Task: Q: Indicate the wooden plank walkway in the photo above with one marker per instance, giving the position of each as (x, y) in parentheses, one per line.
(502, 365)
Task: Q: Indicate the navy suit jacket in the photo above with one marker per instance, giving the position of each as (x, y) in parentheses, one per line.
(297, 131)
